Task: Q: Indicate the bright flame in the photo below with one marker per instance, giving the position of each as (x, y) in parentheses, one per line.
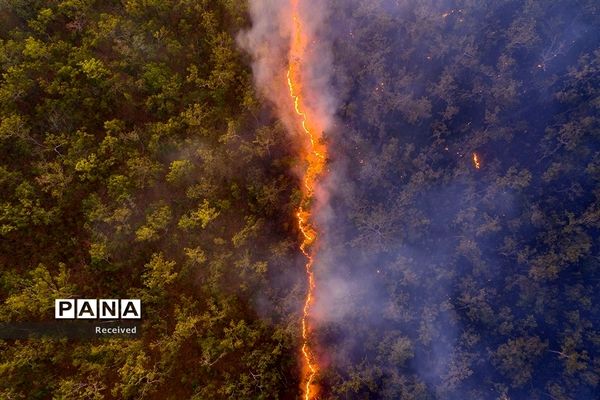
(476, 161)
(314, 156)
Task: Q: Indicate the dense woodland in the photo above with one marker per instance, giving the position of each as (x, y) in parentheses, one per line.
(138, 160)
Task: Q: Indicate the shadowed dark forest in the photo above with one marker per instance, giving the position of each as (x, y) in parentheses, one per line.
(137, 160)
(443, 280)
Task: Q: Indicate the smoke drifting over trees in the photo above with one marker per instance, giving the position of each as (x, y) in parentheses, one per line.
(268, 43)
(145, 151)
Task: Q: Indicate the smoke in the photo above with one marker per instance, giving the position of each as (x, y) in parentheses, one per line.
(352, 270)
(292, 67)
(268, 43)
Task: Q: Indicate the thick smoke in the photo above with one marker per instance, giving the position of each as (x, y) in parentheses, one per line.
(268, 43)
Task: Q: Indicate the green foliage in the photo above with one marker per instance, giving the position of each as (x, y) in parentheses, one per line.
(179, 170)
(159, 273)
(13, 126)
(34, 295)
(122, 127)
(156, 223)
(93, 68)
(200, 217)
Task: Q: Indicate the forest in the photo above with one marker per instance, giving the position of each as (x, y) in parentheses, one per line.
(138, 159)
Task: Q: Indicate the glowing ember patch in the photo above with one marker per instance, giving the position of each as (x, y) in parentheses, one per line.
(476, 161)
(314, 158)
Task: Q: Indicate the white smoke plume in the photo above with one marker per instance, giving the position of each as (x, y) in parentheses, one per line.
(268, 43)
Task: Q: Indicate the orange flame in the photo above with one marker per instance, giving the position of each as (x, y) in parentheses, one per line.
(314, 156)
(476, 161)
